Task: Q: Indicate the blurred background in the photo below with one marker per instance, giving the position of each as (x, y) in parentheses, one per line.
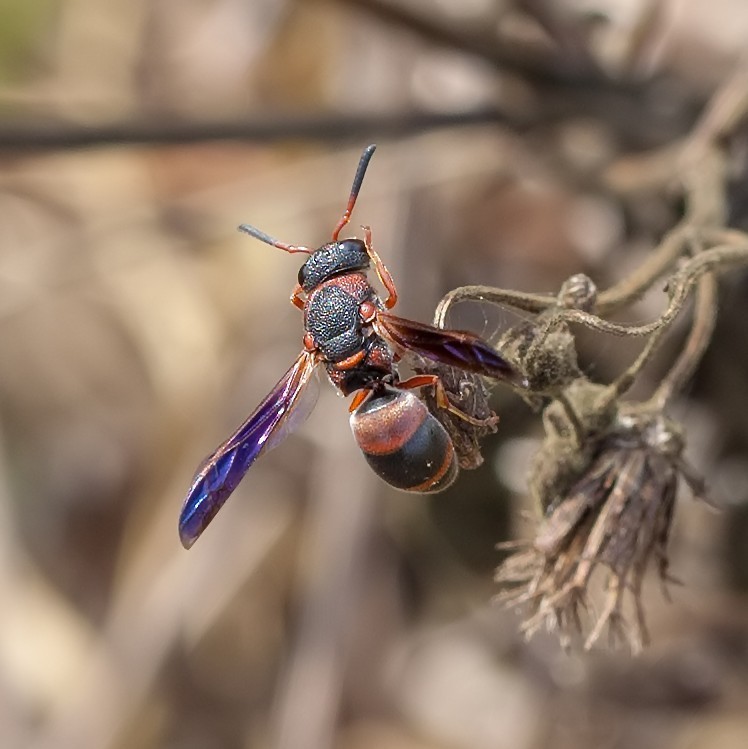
(138, 328)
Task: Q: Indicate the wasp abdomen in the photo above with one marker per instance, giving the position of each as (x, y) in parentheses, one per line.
(404, 443)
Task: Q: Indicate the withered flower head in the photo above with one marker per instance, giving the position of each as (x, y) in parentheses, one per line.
(544, 347)
(546, 355)
(615, 518)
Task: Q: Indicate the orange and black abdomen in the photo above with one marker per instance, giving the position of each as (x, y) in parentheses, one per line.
(403, 442)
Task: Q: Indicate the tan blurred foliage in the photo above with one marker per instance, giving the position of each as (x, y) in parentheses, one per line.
(137, 328)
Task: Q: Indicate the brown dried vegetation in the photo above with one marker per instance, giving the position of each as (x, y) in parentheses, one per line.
(526, 145)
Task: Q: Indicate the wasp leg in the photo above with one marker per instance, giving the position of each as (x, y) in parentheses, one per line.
(442, 399)
(381, 269)
(296, 299)
(359, 398)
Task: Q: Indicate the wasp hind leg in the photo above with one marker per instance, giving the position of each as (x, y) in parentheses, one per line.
(442, 399)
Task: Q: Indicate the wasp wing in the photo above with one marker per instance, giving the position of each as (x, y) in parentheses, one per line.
(457, 348)
(221, 472)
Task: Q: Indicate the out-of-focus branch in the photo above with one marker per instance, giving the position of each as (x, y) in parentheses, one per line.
(569, 35)
(564, 86)
(510, 58)
(700, 164)
(704, 319)
(35, 136)
(565, 89)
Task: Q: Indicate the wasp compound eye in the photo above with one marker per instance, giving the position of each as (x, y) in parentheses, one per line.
(351, 255)
(352, 247)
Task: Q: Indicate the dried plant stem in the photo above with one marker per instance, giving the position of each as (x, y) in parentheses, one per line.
(716, 258)
(705, 313)
(702, 167)
(639, 281)
(726, 112)
(703, 178)
(734, 251)
(626, 379)
(633, 287)
(523, 301)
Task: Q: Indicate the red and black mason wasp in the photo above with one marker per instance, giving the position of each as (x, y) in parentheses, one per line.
(349, 330)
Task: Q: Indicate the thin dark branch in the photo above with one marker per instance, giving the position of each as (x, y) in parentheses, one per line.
(322, 127)
(563, 90)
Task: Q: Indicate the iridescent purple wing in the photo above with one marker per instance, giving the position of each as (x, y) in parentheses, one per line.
(221, 472)
(457, 348)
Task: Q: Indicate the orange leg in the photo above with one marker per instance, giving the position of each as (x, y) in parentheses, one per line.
(351, 361)
(296, 299)
(442, 399)
(381, 269)
(420, 381)
(358, 399)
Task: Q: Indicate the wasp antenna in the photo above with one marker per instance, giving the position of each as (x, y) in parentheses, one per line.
(357, 181)
(267, 239)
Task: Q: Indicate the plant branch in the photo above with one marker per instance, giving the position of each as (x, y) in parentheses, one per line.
(326, 127)
(704, 318)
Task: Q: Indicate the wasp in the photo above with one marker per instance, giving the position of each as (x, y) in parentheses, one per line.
(350, 331)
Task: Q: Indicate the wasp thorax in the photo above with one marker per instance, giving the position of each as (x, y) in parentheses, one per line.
(332, 259)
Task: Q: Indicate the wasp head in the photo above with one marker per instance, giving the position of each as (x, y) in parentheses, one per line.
(333, 259)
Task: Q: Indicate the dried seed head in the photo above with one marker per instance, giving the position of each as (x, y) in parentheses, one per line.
(578, 292)
(615, 516)
(574, 424)
(544, 350)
